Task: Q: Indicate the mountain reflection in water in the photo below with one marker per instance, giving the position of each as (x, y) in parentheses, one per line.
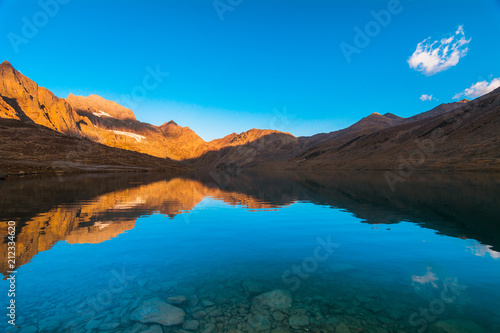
(95, 208)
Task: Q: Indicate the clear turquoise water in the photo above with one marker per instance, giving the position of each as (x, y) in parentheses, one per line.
(220, 254)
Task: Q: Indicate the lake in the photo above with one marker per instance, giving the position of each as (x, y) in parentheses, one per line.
(253, 252)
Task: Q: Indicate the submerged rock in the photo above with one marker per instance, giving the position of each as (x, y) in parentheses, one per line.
(298, 321)
(363, 299)
(199, 314)
(93, 324)
(153, 329)
(372, 307)
(139, 327)
(342, 328)
(29, 329)
(259, 322)
(108, 326)
(253, 287)
(278, 316)
(154, 287)
(177, 300)
(271, 301)
(209, 328)
(207, 303)
(280, 330)
(156, 311)
(190, 325)
(49, 325)
(457, 326)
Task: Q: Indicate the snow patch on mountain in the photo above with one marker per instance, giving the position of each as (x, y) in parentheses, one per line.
(132, 135)
(102, 114)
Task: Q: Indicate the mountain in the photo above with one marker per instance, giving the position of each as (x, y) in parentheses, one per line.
(375, 122)
(438, 110)
(381, 136)
(24, 100)
(93, 118)
(248, 149)
(366, 125)
(106, 122)
(117, 126)
(377, 141)
(465, 138)
(100, 107)
(43, 133)
(26, 147)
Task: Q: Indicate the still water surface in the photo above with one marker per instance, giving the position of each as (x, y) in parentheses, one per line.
(342, 253)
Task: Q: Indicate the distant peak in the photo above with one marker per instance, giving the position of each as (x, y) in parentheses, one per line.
(171, 122)
(7, 66)
(375, 114)
(6, 63)
(98, 103)
(465, 100)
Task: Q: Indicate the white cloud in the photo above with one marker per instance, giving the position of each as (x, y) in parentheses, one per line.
(479, 89)
(430, 277)
(432, 57)
(481, 250)
(425, 97)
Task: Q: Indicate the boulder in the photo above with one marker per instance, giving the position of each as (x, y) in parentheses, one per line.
(298, 321)
(156, 311)
(177, 300)
(153, 329)
(259, 322)
(271, 301)
(190, 325)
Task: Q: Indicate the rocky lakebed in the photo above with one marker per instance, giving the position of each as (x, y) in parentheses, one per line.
(238, 306)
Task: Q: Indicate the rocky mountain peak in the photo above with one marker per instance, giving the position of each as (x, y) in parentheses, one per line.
(96, 104)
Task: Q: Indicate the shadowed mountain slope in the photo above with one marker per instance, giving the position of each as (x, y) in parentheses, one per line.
(467, 137)
(31, 148)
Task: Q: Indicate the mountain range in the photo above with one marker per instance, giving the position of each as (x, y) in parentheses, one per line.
(41, 133)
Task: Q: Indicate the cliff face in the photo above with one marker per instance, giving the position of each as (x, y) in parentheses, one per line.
(92, 117)
(116, 126)
(24, 100)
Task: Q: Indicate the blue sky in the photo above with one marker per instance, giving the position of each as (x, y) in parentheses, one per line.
(265, 64)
